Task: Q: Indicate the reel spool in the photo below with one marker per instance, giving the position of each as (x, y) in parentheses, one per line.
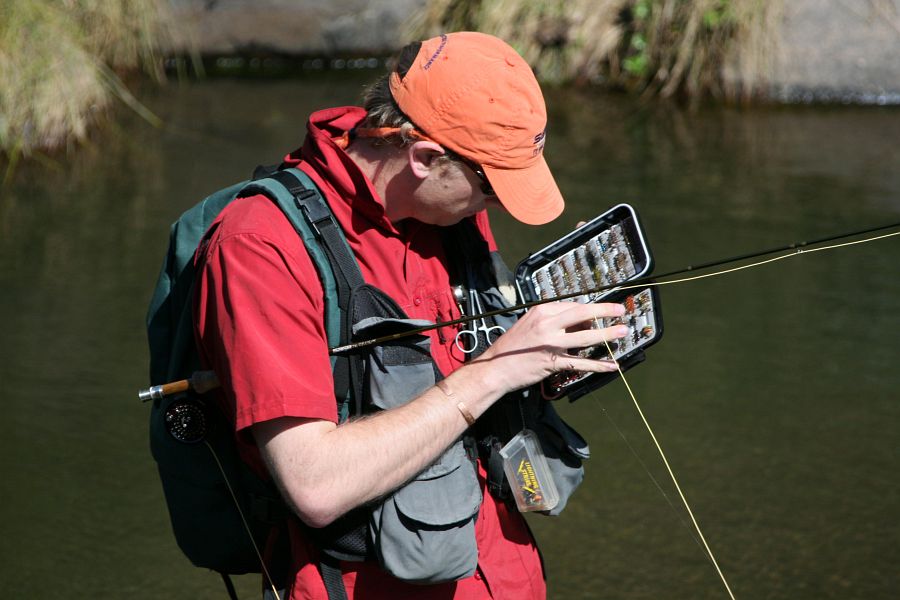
(186, 421)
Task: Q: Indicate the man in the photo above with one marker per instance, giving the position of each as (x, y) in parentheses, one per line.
(458, 126)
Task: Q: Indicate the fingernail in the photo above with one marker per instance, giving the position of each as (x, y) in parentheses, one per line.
(623, 330)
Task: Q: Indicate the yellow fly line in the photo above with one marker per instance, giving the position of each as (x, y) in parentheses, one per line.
(637, 405)
(684, 501)
(759, 263)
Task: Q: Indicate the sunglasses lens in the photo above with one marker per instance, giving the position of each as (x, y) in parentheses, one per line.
(486, 187)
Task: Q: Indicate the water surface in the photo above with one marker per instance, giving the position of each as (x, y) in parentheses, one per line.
(773, 390)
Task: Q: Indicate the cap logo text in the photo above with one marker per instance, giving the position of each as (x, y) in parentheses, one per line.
(539, 141)
(437, 53)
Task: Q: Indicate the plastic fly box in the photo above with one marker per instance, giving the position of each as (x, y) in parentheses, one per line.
(592, 264)
(529, 476)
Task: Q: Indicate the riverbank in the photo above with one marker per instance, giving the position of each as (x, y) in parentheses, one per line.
(61, 65)
(836, 51)
(801, 51)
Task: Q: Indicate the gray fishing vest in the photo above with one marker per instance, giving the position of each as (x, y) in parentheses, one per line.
(424, 532)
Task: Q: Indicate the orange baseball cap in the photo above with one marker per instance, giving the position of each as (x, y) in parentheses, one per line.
(474, 94)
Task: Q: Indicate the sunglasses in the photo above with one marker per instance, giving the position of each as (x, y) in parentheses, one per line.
(486, 187)
(376, 132)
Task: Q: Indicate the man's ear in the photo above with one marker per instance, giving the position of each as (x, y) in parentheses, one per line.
(421, 156)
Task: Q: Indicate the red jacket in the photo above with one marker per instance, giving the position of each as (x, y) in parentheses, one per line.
(259, 308)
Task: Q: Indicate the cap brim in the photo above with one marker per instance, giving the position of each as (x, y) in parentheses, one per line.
(530, 195)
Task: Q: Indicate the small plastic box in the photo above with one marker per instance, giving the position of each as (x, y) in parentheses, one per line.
(528, 474)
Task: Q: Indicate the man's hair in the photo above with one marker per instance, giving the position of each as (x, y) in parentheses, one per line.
(382, 110)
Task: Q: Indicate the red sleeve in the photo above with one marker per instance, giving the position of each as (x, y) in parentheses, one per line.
(259, 317)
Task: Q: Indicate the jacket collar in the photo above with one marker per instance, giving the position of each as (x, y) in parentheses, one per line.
(335, 169)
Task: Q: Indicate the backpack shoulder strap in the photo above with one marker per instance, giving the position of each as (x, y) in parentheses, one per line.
(303, 205)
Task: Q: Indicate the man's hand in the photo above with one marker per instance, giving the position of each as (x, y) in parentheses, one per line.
(538, 344)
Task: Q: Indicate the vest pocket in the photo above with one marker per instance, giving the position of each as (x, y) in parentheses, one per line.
(397, 371)
(425, 532)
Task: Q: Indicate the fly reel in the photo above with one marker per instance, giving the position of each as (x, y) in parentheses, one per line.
(186, 421)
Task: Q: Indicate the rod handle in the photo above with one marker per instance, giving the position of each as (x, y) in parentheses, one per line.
(201, 382)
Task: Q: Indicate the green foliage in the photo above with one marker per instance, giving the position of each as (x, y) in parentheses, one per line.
(641, 10)
(637, 62)
(716, 14)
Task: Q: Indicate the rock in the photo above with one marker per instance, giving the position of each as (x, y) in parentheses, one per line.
(291, 27)
(838, 51)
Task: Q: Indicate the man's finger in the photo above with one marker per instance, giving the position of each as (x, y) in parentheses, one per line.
(577, 313)
(585, 365)
(595, 337)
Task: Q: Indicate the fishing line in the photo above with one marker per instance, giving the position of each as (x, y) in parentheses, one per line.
(794, 249)
(237, 505)
(652, 478)
(672, 476)
(796, 252)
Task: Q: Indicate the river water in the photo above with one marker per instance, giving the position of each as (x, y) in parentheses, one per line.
(774, 391)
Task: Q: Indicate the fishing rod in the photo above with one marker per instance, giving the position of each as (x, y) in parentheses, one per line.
(647, 281)
(206, 380)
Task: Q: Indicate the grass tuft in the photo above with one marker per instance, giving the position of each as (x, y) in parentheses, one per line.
(687, 48)
(61, 63)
